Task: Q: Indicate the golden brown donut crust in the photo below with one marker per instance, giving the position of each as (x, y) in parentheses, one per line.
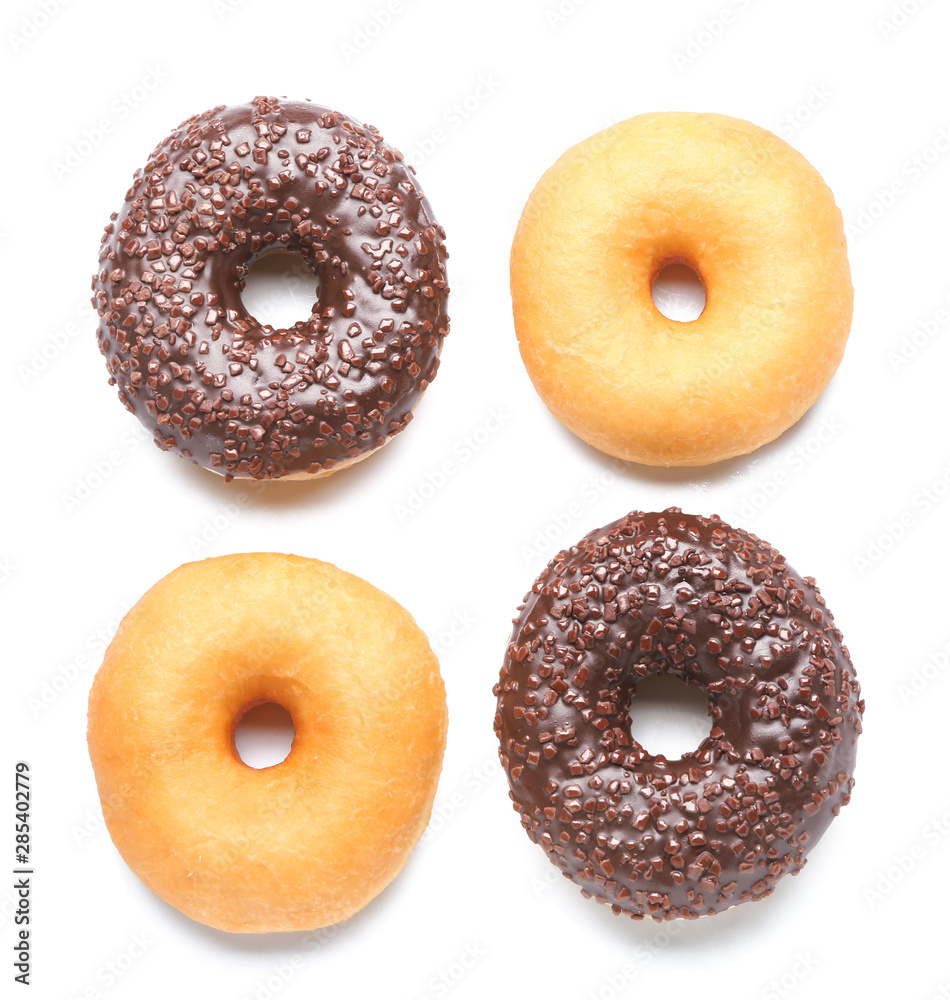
(758, 224)
(311, 840)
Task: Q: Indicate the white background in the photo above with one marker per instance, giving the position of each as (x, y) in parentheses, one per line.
(856, 494)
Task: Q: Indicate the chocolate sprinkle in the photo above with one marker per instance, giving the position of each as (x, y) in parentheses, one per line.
(691, 597)
(225, 188)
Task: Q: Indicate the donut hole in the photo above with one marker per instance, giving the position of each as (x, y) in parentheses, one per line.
(280, 290)
(668, 717)
(679, 292)
(264, 735)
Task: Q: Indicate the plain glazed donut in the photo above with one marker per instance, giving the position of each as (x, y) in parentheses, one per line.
(239, 398)
(716, 607)
(311, 840)
(758, 225)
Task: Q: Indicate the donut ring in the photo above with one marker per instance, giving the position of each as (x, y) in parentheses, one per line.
(758, 225)
(236, 397)
(311, 840)
(716, 607)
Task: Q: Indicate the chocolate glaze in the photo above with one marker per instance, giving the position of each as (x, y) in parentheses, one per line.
(224, 188)
(692, 597)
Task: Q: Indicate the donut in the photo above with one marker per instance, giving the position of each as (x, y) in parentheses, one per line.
(692, 598)
(311, 840)
(245, 399)
(756, 223)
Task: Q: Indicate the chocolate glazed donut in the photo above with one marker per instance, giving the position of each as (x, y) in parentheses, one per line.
(243, 399)
(716, 607)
